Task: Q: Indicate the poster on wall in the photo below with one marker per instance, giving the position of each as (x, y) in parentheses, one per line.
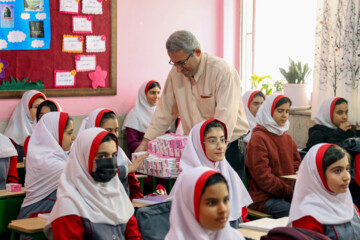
(24, 25)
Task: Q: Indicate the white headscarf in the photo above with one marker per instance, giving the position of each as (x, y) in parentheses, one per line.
(183, 216)
(247, 98)
(45, 157)
(7, 149)
(325, 114)
(94, 120)
(265, 113)
(58, 107)
(312, 198)
(140, 116)
(79, 194)
(20, 123)
(194, 156)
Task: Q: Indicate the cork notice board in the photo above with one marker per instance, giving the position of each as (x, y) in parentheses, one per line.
(81, 60)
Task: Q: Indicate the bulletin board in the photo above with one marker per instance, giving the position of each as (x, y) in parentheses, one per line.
(80, 59)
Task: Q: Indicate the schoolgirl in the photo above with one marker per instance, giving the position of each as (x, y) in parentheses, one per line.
(322, 201)
(201, 207)
(270, 154)
(252, 101)
(139, 118)
(46, 106)
(52, 136)
(332, 126)
(22, 119)
(205, 147)
(8, 162)
(106, 119)
(92, 203)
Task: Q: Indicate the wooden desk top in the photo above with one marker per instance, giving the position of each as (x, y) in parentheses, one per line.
(290, 177)
(136, 204)
(140, 176)
(251, 233)
(28, 225)
(6, 194)
(20, 165)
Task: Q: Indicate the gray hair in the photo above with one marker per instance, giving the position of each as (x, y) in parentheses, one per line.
(182, 40)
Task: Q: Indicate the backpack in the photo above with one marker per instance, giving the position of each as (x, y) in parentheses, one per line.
(153, 220)
(289, 233)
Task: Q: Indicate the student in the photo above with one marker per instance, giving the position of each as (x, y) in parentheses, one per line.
(92, 203)
(252, 101)
(8, 162)
(205, 147)
(139, 118)
(332, 126)
(46, 106)
(321, 200)
(106, 119)
(46, 158)
(201, 207)
(270, 154)
(22, 119)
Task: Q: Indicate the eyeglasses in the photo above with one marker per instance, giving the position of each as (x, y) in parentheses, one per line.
(182, 63)
(215, 142)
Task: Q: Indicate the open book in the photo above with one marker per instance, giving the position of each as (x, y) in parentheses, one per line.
(265, 224)
(152, 199)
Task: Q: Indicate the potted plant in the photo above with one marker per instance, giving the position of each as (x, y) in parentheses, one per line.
(265, 81)
(296, 87)
(279, 86)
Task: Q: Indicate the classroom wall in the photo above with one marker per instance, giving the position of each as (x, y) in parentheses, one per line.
(142, 30)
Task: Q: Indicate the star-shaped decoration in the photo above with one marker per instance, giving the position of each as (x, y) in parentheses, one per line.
(3, 65)
(98, 77)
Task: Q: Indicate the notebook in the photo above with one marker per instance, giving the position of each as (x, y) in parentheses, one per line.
(265, 224)
(152, 199)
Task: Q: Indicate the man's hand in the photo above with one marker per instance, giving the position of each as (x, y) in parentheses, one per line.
(143, 145)
(136, 163)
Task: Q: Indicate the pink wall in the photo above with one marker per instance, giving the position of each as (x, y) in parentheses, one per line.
(142, 30)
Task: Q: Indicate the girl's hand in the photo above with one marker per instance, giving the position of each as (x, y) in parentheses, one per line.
(345, 126)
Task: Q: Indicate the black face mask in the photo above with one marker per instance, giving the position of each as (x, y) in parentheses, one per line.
(106, 169)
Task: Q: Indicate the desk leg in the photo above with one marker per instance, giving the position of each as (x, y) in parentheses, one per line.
(13, 235)
(141, 181)
(154, 183)
(171, 184)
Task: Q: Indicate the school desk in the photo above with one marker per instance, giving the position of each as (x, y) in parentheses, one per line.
(20, 165)
(10, 204)
(137, 205)
(292, 177)
(32, 227)
(257, 228)
(251, 233)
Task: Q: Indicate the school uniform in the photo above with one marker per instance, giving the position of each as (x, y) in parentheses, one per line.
(247, 98)
(86, 209)
(194, 156)
(20, 123)
(316, 207)
(325, 131)
(8, 162)
(129, 180)
(138, 118)
(184, 215)
(44, 164)
(270, 154)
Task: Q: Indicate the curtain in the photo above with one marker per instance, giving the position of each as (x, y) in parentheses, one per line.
(337, 54)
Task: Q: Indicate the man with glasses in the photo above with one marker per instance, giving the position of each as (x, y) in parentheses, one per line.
(198, 87)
